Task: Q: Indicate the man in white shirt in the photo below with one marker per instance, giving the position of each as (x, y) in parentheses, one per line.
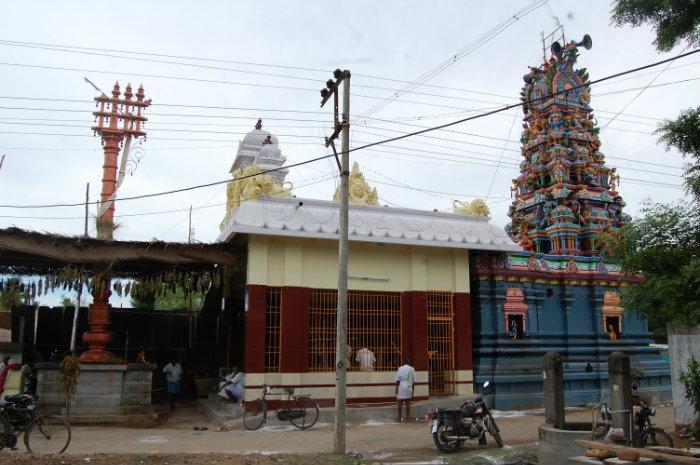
(366, 359)
(173, 376)
(405, 384)
(233, 385)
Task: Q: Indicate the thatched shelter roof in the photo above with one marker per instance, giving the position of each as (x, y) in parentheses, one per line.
(34, 253)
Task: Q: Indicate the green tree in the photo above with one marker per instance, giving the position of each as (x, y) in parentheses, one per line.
(66, 302)
(180, 299)
(674, 21)
(683, 133)
(663, 243)
(12, 295)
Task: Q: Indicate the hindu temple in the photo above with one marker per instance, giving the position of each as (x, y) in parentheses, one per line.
(561, 293)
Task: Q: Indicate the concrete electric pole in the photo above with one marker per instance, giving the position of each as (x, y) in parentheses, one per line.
(341, 343)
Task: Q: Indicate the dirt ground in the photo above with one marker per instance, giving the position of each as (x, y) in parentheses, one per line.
(175, 442)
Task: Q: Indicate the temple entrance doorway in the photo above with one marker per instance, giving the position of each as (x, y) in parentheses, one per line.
(440, 343)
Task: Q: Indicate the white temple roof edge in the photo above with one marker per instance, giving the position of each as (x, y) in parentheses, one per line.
(318, 219)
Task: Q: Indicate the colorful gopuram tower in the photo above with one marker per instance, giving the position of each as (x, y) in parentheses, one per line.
(565, 195)
(559, 294)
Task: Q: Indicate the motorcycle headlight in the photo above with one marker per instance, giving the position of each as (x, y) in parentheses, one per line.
(653, 412)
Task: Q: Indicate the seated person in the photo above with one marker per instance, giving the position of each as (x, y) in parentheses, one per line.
(232, 386)
(5, 374)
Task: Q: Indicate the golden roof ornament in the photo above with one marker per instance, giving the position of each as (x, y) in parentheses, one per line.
(249, 184)
(359, 191)
(476, 207)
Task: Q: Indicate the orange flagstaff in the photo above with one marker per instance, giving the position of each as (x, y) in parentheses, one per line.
(116, 119)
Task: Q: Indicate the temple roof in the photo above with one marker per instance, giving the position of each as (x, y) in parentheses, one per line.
(318, 219)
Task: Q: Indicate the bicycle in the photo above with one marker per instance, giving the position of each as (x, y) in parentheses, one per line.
(648, 434)
(43, 434)
(301, 411)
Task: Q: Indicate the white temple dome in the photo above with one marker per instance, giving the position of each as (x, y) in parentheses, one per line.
(257, 136)
(260, 148)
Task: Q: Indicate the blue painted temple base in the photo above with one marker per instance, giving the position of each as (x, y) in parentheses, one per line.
(563, 304)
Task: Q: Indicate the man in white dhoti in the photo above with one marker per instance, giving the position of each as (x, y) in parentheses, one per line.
(405, 384)
(232, 386)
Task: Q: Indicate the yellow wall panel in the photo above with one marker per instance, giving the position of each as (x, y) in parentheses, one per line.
(278, 261)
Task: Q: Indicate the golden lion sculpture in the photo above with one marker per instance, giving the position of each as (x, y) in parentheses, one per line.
(249, 184)
(476, 207)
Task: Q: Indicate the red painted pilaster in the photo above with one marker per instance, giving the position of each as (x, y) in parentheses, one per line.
(294, 356)
(255, 329)
(463, 330)
(417, 326)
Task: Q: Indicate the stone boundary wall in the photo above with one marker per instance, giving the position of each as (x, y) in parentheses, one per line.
(683, 342)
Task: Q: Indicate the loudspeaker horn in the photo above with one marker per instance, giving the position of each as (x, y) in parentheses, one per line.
(587, 42)
(556, 49)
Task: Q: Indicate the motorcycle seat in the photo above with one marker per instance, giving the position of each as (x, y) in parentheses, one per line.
(17, 398)
(445, 411)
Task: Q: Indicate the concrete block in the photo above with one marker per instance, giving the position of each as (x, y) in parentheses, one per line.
(103, 394)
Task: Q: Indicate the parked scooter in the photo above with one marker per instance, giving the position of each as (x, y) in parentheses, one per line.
(450, 428)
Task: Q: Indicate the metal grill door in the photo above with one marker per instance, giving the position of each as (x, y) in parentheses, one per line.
(440, 343)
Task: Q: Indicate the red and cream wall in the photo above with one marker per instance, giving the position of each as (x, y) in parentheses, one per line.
(298, 265)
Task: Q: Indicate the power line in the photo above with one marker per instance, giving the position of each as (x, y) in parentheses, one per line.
(66, 48)
(173, 191)
(214, 107)
(207, 81)
(214, 60)
(500, 159)
(483, 39)
(310, 181)
(55, 49)
(508, 107)
(393, 139)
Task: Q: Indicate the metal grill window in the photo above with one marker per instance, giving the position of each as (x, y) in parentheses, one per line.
(273, 307)
(374, 322)
(441, 343)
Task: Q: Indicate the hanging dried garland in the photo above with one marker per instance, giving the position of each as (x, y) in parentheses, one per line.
(71, 279)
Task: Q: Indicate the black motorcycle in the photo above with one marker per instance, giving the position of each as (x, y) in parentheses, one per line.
(450, 428)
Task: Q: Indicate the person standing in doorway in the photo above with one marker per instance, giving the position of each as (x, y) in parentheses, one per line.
(173, 376)
(405, 385)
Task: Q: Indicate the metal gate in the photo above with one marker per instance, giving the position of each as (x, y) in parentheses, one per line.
(440, 343)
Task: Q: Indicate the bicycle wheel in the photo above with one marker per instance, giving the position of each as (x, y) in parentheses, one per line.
(255, 414)
(47, 434)
(656, 437)
(310, 416)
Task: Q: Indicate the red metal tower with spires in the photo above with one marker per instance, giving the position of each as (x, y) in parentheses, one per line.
(118, 121)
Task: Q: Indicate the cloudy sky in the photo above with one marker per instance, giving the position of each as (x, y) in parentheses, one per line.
(213, 68)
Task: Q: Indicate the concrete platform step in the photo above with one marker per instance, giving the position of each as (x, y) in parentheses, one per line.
(219, 411)
(354, 413)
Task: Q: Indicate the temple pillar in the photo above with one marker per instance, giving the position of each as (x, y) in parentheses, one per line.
(99, 318)
(294, 337)
(255, 329)
(415, 328)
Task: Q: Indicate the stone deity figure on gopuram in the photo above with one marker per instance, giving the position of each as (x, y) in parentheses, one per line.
(565, 196)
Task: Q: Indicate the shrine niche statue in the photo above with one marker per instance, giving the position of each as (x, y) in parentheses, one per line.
(249, 184)
(476, 207)
(558, 172)
(359, 191)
